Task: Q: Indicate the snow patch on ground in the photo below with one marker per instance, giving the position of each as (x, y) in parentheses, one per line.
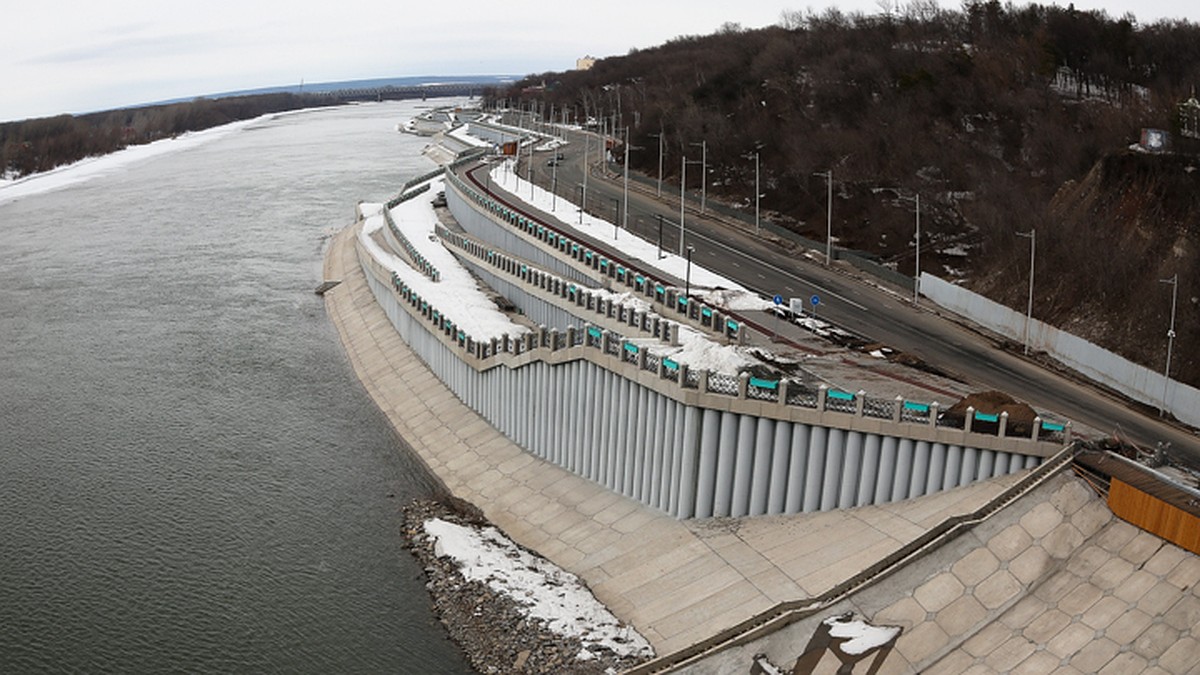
(546, 591)
(703, 281)
(861, 637)
(456, 294)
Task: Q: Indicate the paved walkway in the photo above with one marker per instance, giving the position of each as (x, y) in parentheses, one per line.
(675, 581)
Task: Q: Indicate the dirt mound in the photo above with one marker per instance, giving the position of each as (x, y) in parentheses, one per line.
(1020, 415)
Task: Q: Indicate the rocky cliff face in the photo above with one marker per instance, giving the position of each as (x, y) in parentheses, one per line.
(1131, 222)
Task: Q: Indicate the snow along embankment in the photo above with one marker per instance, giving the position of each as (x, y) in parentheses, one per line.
(511, 610)
(456, 294)
(93, 167)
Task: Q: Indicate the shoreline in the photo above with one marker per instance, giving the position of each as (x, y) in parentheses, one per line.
(493, 630)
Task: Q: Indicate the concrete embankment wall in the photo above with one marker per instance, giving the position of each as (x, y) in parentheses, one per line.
(633, 434)
(1052, 581)
(1097, 363)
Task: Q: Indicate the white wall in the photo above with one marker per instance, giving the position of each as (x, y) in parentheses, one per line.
(1101, 365)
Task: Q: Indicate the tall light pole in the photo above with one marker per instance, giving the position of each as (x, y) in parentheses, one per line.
(1174, 281)
(554, 185)
(687, 281)
(682, 195)
(659, 136)
(756, 192)
(917, 268)
(829, 216)
(703, 172)
(1032, 234)
(587, 144)
(682, 187)
(625, 215)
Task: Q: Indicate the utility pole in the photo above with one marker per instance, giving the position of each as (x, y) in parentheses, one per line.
(756, 193)
(1032, 234)
(703, 172)
(917, 269)
(1174, 281)
(829, 216)
(625, 217)
(682, 185)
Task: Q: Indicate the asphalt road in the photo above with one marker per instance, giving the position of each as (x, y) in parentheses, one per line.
(848, 301)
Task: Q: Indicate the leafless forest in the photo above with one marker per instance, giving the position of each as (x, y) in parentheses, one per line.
(1003, 118)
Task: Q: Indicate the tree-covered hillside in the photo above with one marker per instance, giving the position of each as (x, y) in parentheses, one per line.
(31, 146)
(987, 113)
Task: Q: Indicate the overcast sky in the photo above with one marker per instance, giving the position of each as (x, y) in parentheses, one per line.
(79, 56)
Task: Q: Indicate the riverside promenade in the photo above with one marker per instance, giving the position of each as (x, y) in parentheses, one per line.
(677, 582)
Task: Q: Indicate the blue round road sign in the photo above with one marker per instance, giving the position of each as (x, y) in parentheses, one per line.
(815, 300)
(779, 299)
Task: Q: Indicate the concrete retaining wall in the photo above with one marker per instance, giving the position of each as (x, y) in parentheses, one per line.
(1099, 364)
(669, 452)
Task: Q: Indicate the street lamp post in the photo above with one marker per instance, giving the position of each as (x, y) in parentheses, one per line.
(625, 214)
(682, 197)
(554, 185)
(917, 268)
(682, 186)
(616, 216)
(703, 173)
(587, 143)
(756, 193)
(829, 216)
(1032, 234)
(580, 203)
(660, 224)
(687, 282)
(1174, 281)
(659, 136)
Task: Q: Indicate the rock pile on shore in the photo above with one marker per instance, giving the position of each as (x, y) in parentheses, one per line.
(496, 632)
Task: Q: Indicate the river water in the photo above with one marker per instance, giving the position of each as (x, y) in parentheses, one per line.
(191, 478)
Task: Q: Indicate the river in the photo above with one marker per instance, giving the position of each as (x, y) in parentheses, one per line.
(191, 477)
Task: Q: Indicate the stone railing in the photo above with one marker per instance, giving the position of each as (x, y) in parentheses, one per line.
(669, 299)
(579, 301)
(418, 261)
(779, 399)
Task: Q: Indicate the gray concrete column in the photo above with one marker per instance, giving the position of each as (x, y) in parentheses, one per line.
(726, 459)
(953, 467)
(797, 468)
(688, 473)
(906, 451)
(835, 454)
(987, 463)
(744, 470)
(818, 447)
(775, 478)
(870, 470)
(711, 441)
(887, 470)
(851, 469)
(937, 468)
(970, 464)
(920, 473)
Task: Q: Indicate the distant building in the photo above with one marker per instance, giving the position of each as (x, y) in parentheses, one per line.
(1155, 140)
(1189, 118)
(585, 63)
